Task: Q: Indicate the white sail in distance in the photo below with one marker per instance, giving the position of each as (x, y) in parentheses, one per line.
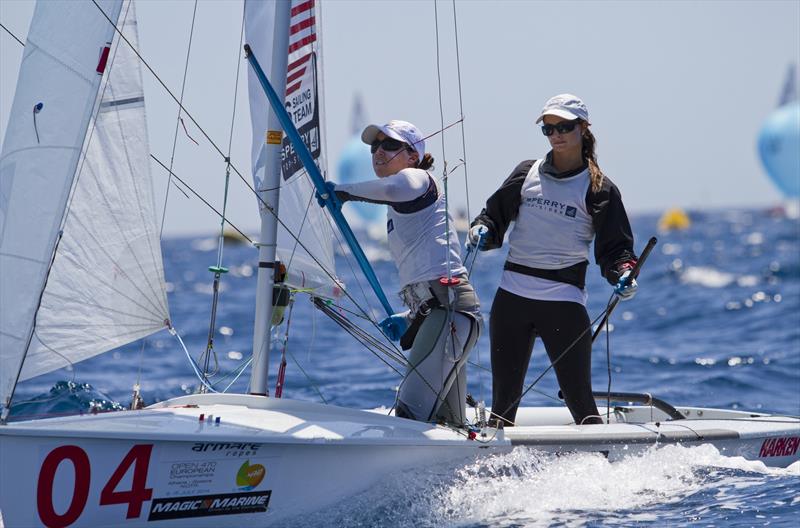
(300, 216)
(82, 186)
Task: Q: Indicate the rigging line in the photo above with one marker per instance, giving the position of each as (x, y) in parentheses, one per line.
(201, 198)
(12, 35)
(552, 363)
(461, 108)
(486, 369)
(310, 380)
(241, 369)
(441, 399)
(180, 109)
(368, 340)
(194, 366)
(364, 338)
(360, 337)
(299, 242)
(351, 312)
(218, 269)
(337, 235)
(608, 365)
(236, 88)
(444, 155)
(281, 378)
(163, 84)
(354, 274)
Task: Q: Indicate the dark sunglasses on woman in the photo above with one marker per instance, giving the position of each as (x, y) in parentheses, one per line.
(388, 145)
(562, 127)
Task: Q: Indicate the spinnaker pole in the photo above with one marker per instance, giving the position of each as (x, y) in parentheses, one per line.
(270, 195)
(330, 200)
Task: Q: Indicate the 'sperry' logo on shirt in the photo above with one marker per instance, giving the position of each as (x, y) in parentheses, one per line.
(551, 205)
(389, 226)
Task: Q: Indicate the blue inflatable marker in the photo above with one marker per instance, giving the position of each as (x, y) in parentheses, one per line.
(779, 148)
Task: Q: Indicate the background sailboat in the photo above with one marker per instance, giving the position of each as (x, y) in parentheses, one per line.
(779, 143)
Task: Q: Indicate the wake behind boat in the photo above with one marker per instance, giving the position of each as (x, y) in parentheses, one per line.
(93, 280)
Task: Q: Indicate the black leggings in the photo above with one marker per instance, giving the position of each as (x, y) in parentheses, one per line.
(514, 324)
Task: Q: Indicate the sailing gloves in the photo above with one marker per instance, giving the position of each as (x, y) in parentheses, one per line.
(335, 198)
(395, 325)
(627, 287)
(477, 235)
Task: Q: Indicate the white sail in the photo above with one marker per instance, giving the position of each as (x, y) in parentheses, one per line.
(298, 211)
(105, 286)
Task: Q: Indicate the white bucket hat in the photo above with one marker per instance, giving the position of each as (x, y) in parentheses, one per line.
(399, 130)
(565, 105)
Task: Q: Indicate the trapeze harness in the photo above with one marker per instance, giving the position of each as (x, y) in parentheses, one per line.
(445, 322)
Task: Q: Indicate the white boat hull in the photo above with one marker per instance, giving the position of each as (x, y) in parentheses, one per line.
(253, 460)
(264, 460)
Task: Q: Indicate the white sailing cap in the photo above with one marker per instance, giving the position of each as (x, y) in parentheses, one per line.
(399, 130)
(565, 105)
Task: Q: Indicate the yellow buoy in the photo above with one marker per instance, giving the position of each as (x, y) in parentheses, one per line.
(672, 219)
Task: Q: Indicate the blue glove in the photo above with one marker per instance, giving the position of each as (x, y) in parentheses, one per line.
(330, 189)
(395, 326)
(477, 235)
(626, 288)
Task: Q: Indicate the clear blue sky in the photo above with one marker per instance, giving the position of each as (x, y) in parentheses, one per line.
(677, 91)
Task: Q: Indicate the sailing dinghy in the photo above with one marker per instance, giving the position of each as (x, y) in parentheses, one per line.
(79, 228)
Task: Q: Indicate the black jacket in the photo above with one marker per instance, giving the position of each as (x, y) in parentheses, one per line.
(613, 244)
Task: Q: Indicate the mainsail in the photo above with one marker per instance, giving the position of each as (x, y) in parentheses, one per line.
(300, 217)
(79, 238)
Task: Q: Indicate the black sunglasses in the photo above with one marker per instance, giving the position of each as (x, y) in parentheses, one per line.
(562, 127)
(388, 145)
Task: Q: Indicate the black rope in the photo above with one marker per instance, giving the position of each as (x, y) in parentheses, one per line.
(608, 364)
(361, 336)
(189, 187)
(12, 35)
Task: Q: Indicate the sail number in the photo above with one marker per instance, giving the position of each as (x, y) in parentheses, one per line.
(138, 457)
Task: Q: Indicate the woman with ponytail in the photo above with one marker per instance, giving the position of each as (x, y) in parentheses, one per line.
(443, 320)
(559, 205)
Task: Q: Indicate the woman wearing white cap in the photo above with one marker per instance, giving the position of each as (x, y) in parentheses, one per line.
(443, 322)
(559, 205)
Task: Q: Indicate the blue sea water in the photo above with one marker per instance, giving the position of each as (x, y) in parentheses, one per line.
(716, 323)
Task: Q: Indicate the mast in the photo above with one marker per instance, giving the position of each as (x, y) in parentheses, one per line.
(270, 194)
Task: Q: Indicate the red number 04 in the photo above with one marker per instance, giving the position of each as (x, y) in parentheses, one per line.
(138, 457)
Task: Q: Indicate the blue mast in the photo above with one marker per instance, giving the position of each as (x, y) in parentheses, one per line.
(316, 177)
